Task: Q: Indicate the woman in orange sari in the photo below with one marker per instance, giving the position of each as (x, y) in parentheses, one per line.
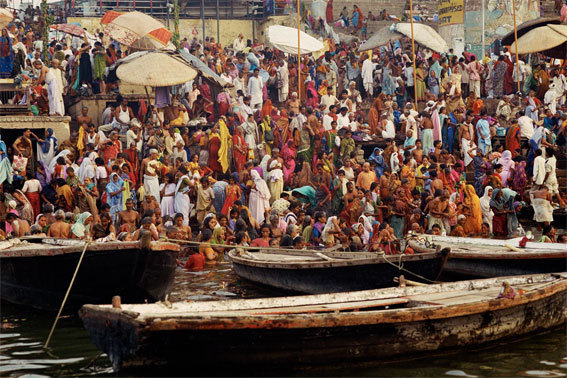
(513, 139)
(267, 108)
(472, 203)
(374, 115)
(283, 128)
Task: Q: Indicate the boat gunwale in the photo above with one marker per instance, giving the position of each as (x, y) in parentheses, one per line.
(335, 263)
(45, 249)
(202, 322)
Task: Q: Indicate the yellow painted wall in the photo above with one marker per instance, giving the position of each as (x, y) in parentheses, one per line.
(229, 29)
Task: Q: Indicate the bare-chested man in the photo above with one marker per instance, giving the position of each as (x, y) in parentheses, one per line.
(84, 117)
(20, 227)
(149, 203)
(437, 209)
(183, 232)
(465, 138)
(417, 153)
(436, 182)
(351, 193)
(128, 219)
(59, 229)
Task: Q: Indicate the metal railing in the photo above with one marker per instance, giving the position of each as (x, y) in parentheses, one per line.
(163, 9)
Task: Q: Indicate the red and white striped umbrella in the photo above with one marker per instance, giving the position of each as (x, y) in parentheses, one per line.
(72, 29)
(136, 29)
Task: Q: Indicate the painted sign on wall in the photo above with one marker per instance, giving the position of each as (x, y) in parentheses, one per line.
(451, 12)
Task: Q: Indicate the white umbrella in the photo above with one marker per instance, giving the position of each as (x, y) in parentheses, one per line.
(547, 39)
(285, 39)
(6, 16)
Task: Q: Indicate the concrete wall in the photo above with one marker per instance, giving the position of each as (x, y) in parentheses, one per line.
(498, 20)
(60, 125)
(228, 30)
(454, 35)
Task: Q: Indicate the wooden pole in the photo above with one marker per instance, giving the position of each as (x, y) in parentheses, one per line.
(298, 52)
(66, 294)
(414, 57)
(516, 49)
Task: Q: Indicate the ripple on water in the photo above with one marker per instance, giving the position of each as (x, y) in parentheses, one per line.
(15, 367)
(8, 335)
(459, 373)
(544, 373)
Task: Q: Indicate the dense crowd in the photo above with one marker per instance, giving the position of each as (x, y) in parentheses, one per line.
(267, 161)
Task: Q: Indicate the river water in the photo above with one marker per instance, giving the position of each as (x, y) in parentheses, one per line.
(23, 332)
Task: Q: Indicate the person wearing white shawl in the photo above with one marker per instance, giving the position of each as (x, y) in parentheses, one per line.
(363, 219)
(487, 213)
(275, 176)
(151, 181)
(53, 162)
(87, 169)
(332, 226)
(182, 204)
(259, 198)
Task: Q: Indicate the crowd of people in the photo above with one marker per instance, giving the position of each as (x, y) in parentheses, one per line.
(277, 162)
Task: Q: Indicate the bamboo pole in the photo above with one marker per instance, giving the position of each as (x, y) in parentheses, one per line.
(66, 294)
(516, 47)
(413, 56)
(298, 53)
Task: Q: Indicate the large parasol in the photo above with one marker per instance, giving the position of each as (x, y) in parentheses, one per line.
(423, 34)
(71, 29)
(6, 16)
(550, 40)
(136, 29)
(285, 39)
(155, 69)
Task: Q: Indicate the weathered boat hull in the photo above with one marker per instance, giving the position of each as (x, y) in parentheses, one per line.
(40, 281)
(467, 266)
(498, 258)
(282, 343)
(333, 279)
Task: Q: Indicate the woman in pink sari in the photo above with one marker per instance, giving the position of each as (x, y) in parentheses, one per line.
(288, 154)
(507, 168)
(312, 95)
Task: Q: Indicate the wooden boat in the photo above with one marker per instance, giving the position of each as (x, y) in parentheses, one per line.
(321, 330)
(37, 272)
(331, 272)
(484, 258)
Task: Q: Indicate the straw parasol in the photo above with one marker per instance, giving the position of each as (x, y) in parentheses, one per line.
(551, 40)
(285, 39)
(71, 29)
(154, 69)
(424, 35)
(380, 38)
(136, 29)
(6, 16)
(527, 26)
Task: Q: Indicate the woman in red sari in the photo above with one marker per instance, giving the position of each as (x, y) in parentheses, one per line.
(508, 79)
(233, 193)
(267, 108)
(209, 107)
(240, 149)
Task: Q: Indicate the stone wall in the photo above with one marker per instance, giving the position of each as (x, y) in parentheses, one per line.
(60, 125)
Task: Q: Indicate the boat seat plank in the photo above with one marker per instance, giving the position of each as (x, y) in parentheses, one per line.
(332, 307)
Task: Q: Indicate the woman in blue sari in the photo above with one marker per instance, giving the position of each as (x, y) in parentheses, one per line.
(6, 55)
(377, 158)
(388, 85)
(115, 197)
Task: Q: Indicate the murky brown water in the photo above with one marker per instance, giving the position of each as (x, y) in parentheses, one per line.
(24, 331)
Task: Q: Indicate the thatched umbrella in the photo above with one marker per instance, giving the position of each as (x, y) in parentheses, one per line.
(550, 40)
(424, 35)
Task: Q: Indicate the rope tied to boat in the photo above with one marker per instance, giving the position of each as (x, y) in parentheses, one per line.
(401, 267)
(88, 242)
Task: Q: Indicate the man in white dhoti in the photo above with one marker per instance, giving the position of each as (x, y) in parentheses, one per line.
(367, 75)
(541, 202)
(465, 135)
(255, 86)
(58, 74)
(151, 182)
(53, 94)
(283, 81)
